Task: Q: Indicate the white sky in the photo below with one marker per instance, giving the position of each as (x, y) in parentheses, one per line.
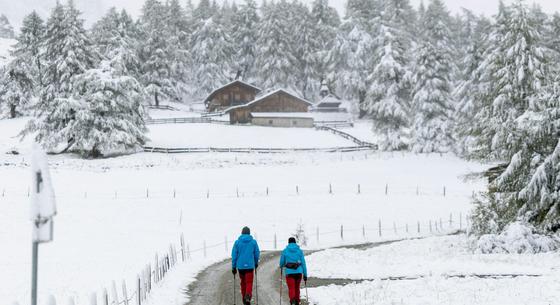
(93, 9)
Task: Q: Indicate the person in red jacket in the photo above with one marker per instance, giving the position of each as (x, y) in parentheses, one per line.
(293, 261)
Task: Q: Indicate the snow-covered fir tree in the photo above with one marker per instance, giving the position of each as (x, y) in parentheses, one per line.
(432, 99)
(515, 67)
(28, 49)
(275, 53)
(156, 69)
(178, 30)
(212, 50)
(6, 29)
(67, 54)
(16, 88)
(326, 22)
(110, 118)
(244, 34)
(388, 96)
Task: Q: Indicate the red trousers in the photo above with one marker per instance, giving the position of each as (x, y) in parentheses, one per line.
(246, 277)
(293, 281)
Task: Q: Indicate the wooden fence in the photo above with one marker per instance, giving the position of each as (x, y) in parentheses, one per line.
(333, 124)
(162, 107)
(255, 149)
(348, 137)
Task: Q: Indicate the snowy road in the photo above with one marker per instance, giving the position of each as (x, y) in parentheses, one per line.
(214, 286)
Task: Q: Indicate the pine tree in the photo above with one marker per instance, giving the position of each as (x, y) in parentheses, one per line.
(275, 53)
(307, 48)
(67, 54)
(471, 88)
(515, 68)
(16, 88)
(111, 117)
(177, 47)
(211, 50)
(154, 54)
(326, 22)
(244, 35)
(432, 90)
(388, 98)
(27, 50)
(6, 29)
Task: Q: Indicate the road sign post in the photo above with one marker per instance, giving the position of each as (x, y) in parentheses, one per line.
(43, 209)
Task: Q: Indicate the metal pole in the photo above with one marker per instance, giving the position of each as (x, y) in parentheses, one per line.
(34, 269)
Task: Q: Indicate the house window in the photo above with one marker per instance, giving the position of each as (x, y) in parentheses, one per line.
(270, 122)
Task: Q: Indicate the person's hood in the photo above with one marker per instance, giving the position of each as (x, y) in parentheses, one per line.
(245, 238)
(293, 248)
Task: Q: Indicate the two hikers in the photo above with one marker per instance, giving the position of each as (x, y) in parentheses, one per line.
(293, 262)
(245, 261)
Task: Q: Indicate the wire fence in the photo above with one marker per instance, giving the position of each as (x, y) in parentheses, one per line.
(252, 191)
(154, 272)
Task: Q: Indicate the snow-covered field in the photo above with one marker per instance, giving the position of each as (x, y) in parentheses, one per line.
(114, 214)
(438, 270)
(223, 136)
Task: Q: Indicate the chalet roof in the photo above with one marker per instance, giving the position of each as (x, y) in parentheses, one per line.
(262, 97)
(306, 115)
(329, 100)
(237, 81)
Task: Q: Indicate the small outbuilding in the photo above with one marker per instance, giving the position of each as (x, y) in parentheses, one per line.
(282, 119)
(277, 101)
(233, 94)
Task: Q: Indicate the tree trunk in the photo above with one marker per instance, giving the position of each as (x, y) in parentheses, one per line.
(12, 111)
(156, 99)
(361, 101)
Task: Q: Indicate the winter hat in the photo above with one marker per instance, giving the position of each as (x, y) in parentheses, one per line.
(292, 240)
(246, 230)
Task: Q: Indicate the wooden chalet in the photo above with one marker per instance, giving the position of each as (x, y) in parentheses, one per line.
(277, 101)
(233, 94)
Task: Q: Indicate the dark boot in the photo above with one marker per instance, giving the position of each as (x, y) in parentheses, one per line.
(247, 299)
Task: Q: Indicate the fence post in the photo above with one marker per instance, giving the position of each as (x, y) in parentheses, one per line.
(395, 227)
(157, 269)
(317, 234)
(147, 193)
(430, 226)
(267, 190)
(330, 188)
(418, 227)
(297, 190)
(237, 191)
(342, 232)
(93, 299)
(450, 220)
(183, 247)
(114, 294)
(125, 293)
(407, 228)
(417, 191)
(207, 194)
(139, 291)
(275, 242)
(386, 188)
(188, 252)
(105, 297)
(380, 234)
(204, 248)
(460, 221)
(444, 191)
(115, 194)
(364, 231)
(359, 189)
(174, 193)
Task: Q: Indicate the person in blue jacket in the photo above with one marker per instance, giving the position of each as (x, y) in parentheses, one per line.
(245, 259)
(293, 261)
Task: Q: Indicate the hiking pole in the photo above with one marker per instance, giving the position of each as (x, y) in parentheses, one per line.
(306, 294)
(234, 289)
(257, 286)
(281, 271)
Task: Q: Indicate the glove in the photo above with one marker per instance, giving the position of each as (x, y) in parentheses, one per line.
(234, 271)
(256, 266)
(305, 278)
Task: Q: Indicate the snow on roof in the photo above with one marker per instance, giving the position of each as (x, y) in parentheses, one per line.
(271, 93)
(229, 84)
(282, 115)
(329, 99)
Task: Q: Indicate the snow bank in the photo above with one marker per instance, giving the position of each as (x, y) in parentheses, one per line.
(436, 256)
(518, 238)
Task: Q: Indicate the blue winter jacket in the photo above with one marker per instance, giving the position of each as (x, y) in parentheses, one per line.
(245, 253)
(293, 254)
